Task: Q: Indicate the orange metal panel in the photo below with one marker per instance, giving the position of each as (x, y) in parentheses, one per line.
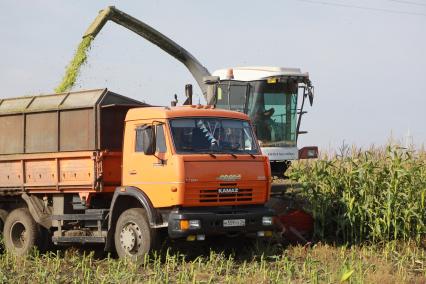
(11, 174)
(75, 172)
(40, 172)
(111, 169)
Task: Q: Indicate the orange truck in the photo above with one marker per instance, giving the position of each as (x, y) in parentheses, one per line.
(97, 167)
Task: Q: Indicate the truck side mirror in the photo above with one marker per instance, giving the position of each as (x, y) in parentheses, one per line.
(149, 146)
(188, 94)
(212, 84)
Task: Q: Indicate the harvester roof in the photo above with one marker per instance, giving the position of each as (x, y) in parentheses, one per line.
(253, 73)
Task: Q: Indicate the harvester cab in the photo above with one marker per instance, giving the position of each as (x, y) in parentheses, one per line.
(274, 98)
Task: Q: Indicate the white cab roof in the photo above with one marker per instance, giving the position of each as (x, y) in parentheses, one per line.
(259, 72)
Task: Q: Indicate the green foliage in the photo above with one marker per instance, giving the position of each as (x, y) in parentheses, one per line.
(376, 195)
(73, 69)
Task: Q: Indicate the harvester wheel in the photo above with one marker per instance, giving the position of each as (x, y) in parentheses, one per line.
(20, 232)
(3, 215)
(133, 236)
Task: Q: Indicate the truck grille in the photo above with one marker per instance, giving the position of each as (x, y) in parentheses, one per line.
(212, 195)
(225, 194)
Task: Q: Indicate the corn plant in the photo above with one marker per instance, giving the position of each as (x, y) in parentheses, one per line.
(374, 195)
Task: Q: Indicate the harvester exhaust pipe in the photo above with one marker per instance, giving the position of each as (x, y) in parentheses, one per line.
(188, 94)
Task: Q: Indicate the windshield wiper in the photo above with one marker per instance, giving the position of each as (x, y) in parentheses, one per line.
(239, 152)
(230, 153)
(253, 156)
(212, 155)
(204, 151)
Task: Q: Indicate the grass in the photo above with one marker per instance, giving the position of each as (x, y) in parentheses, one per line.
(73, 68)
(261, 263)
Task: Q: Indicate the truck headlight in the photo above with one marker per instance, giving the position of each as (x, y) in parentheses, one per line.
(267, 221)
(194, 224)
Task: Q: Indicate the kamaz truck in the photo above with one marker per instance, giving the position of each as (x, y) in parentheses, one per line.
(97, 167)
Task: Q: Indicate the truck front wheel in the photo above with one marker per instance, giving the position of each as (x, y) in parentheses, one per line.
(20, 232)
(133, 237)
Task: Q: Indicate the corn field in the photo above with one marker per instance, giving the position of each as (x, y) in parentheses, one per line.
(375, 195)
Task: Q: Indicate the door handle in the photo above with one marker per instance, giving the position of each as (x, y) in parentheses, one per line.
(133, 172)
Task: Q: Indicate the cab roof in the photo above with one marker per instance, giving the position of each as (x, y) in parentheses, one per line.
(181, 111)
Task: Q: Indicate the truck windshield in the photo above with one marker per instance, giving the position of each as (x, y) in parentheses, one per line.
(272, 108)
(213, 135)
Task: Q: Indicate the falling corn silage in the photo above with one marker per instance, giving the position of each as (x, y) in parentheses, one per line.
(73, 68)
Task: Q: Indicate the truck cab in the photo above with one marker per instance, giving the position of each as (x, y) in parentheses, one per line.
(201, 169)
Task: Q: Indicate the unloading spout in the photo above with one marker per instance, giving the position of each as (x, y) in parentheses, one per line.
(197, 70)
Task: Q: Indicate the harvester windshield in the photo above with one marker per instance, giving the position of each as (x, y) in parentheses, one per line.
(271, 105)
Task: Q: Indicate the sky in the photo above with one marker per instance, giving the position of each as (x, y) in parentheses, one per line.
(366, 59)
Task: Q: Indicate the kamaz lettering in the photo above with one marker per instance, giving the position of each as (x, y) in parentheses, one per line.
(227, 190)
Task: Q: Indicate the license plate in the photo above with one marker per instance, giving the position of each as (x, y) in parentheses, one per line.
(234, 223)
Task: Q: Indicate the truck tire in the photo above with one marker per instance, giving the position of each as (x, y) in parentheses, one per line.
(133, 237)
(3, 215)
(21, 232)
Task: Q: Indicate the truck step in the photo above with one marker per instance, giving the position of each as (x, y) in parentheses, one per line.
(78, 239)
(90, 215)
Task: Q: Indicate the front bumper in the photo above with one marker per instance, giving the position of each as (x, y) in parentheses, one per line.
(211, 219)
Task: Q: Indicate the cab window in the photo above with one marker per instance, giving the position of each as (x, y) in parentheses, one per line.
(142, 134)
(160, 139)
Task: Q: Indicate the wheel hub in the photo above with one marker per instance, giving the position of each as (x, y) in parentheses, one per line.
(131, 238)
(18, 234)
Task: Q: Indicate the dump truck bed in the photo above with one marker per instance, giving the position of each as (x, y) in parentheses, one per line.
(62, 142)
(82, 171)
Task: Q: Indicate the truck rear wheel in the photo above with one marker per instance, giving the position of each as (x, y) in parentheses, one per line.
(133, 237)
(20, 232)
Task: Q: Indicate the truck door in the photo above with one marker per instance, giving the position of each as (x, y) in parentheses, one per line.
(147, 172)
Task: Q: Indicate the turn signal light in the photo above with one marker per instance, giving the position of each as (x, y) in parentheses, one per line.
(184, 224)
(190, 224)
